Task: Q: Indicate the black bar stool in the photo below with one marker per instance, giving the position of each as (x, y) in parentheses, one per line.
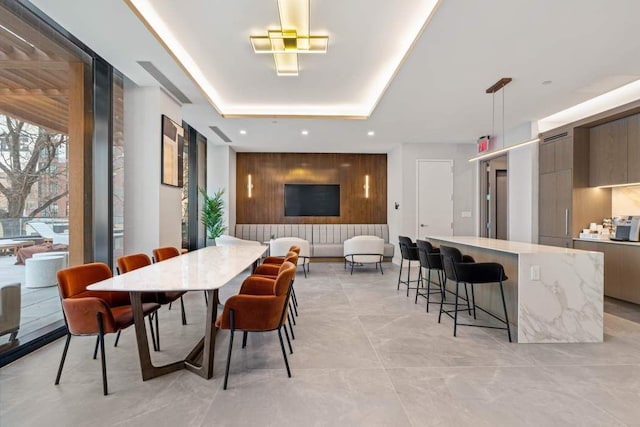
(409, 252)
(456, 268)
(430, 259)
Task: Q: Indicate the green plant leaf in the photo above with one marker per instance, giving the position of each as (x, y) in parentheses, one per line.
(213, 213)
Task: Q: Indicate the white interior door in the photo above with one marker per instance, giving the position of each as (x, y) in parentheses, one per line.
(434, 198)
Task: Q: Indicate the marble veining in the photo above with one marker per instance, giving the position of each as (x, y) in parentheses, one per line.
(507, 246)
(207, 268)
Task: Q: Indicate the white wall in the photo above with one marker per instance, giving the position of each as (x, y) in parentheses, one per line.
(221, 173)
(402, 187)
(151, 211)
(523, 194)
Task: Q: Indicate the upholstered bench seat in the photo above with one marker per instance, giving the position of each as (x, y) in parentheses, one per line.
(326, 240)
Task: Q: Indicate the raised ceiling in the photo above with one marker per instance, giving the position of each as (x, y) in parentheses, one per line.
(437, 94)
(368, 42)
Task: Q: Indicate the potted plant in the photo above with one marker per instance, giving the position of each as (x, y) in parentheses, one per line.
(213, 214)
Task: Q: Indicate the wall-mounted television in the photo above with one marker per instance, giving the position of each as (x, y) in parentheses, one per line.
(311, 200)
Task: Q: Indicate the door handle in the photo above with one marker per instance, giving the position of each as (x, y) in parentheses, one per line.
(423, 225)
(566, 222)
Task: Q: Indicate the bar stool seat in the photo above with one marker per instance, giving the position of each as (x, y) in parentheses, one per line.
(473, 273)
(409, 252)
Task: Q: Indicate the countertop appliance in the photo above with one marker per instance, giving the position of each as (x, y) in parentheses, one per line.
(628, 229)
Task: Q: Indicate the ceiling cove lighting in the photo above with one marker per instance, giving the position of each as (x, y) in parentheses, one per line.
(291, 38)
(630, 184)
(504, 150)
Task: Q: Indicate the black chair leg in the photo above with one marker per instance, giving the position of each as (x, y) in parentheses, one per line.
(408, 276)
(400, 273)
(170, 305)
(115, 344)
(284, 353)
(442, 280)
(64, 356)
(231, 330)
(102, 356)
(153, 334)
(293, 337)
(473, 300)
(286, 334)
(455, 315)
(244, 339)
(293, 318)
(442, 302)
(466, 292)
(418, 285)
(95, 349)
(295, 299)
(206, 299)
(184, 315)
(381, 272)
(428, 288)
(504, 306)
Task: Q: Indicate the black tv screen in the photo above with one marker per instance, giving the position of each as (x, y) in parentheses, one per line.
(311, 200)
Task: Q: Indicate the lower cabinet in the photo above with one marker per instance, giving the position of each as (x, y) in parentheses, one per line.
(556, 241)
(621, 268)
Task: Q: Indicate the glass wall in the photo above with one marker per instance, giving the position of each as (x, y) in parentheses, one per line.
(118, 166)
(45, 86)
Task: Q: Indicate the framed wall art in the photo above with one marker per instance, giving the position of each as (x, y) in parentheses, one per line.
(172, 146)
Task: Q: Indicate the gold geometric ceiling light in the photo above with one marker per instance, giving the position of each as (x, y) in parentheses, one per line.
(291, 39)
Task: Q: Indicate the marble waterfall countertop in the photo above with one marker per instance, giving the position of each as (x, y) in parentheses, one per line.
(557, 294)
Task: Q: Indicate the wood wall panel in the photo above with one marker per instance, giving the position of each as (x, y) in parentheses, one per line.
(270, 171)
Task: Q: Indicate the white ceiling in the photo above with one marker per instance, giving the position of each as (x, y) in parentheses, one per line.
(438, 95)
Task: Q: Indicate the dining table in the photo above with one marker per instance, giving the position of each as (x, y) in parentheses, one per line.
(207, 269)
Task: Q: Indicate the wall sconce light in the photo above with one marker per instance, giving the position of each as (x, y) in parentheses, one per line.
(249, 185)
(366, 186)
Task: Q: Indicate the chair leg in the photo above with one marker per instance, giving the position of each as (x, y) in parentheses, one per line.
(102, 356)
(408, 276)
(206, 299)
(115, 344)
(284, 353)
(286, 334)
(293, 337)
(153, 334)
(231, 330)
(95, 349)
(400, 273)
(442, 280)
(473, 300)
(381, 272)
(455, 315)
(170, 306)
(155, 316)
(352, 264)
(466, 291)
(428, 288)
(184, 315)
(504, 306)
(418, 285)
(64, 356)
(295, 301)
(293, 318)
(244, 339)
(304, 268)
(442, 300)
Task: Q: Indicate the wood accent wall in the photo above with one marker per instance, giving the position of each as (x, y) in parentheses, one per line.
(270, 171)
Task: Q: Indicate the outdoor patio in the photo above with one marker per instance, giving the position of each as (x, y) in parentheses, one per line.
(40, 306)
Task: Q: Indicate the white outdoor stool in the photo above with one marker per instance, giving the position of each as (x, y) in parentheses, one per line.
(54, 254)
(41, 272)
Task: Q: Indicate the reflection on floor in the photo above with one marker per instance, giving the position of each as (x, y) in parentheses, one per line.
(364, 354)
(40, 306)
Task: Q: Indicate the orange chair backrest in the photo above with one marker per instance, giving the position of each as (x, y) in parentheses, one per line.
(285, 276)
(132, 262)
(291, 257)
(73, 281)
(295, 249)
(166, 252)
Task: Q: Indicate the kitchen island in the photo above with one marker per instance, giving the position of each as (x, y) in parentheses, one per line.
(554, 295)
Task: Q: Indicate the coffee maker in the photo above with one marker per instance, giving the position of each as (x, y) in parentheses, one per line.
(627, 228)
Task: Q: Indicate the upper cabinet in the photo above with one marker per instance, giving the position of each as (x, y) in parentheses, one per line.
(614, 153)
(633, 148)
(608, 153)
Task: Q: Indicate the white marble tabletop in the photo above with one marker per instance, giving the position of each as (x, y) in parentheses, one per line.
(507, 246)
(204, 269)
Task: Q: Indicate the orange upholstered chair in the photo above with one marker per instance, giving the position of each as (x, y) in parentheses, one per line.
(165, 252)
(277, 260)
(260, 306)
(132, 262)
(93, 312)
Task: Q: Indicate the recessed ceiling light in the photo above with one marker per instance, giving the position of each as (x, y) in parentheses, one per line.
(305, 132)
(371, 133)
(547, 82)
(243, 132)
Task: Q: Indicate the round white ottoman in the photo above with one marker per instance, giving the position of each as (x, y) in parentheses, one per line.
(54, 254)
(41, 272)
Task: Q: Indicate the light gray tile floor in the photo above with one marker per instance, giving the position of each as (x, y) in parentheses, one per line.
(364, 355)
